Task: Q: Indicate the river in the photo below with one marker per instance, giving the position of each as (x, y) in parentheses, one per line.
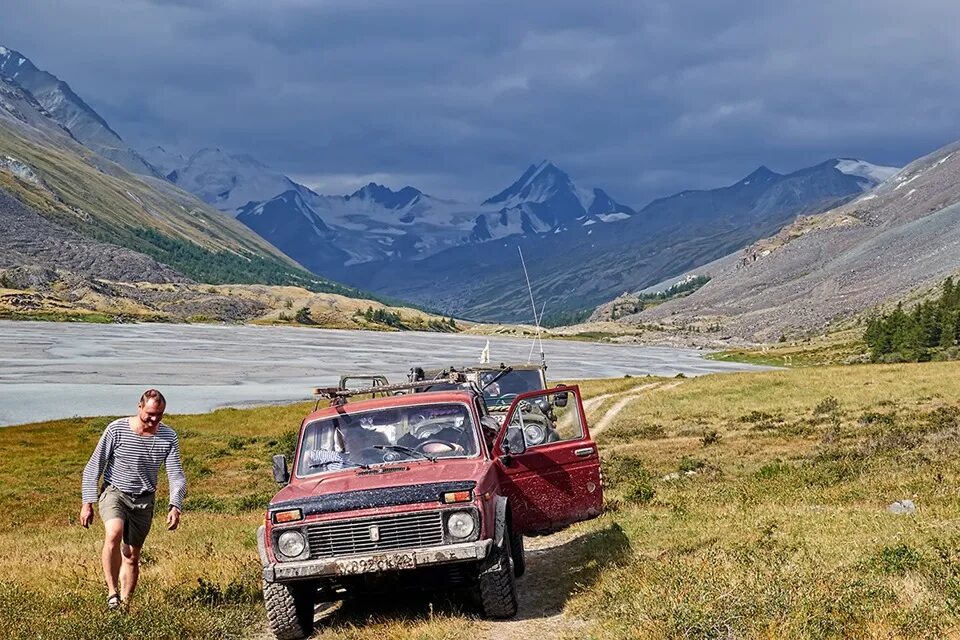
(59, 370)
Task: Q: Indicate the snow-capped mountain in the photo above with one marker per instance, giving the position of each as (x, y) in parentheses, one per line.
(166, 162)
(578, 268)
(226, 181)
(377, 224)
(67, 108)
(373, 223)
(544, 199)
(872, 174)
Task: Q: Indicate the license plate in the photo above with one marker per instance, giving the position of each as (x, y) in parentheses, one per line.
(375, 564)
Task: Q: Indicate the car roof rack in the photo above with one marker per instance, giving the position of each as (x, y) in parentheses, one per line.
(339, 396)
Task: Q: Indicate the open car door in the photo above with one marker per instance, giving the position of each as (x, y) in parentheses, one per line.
(549, 464)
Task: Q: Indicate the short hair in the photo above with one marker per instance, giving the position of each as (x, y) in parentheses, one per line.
(153, 394)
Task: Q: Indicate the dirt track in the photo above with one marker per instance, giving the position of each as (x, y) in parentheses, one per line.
(543, 590)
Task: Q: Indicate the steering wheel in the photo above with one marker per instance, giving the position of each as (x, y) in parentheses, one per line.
(448, 445)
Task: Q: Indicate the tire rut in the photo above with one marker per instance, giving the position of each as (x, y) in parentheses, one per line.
(540, 615)
(607, 419)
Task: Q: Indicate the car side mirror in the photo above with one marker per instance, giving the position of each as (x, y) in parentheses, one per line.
(280, 472)
(560, 399)
(514, 443)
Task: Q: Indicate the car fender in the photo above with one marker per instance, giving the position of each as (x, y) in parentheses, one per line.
(500, 520)
(262, 545)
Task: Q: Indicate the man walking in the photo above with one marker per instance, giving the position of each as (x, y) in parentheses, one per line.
(128, 456)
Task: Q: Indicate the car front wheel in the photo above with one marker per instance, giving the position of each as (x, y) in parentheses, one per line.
(289, 609)
(498, 587)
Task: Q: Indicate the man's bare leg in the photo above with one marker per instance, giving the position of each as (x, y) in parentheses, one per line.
(129, 571)
(110, 557)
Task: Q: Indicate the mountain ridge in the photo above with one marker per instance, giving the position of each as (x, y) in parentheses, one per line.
(586, 265)
(69, 109)
(820, 270)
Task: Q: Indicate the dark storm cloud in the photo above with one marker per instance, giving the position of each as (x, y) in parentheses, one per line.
(643, 98)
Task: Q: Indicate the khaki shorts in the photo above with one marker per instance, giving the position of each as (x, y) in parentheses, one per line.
(135, 511)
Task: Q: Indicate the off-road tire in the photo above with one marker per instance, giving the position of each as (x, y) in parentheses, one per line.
(289, 609)
(498, 587)
(519, 559)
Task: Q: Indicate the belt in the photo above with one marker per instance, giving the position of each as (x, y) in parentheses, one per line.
(135, 496)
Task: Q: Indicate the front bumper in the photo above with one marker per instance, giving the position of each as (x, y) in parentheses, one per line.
(376, 563)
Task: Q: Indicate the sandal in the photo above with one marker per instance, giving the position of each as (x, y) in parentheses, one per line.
(114, 602)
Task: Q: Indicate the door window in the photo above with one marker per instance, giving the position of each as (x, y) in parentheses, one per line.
(547, 418)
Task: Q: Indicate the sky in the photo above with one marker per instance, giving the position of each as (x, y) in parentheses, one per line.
(642, 98)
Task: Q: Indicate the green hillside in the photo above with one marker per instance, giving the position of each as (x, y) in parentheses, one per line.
(98, 199)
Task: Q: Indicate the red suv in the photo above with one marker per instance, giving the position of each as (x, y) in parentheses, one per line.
(421, 490)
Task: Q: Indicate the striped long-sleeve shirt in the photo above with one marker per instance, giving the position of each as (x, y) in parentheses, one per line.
(131, 462)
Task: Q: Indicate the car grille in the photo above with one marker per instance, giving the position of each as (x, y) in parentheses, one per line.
(346, 537)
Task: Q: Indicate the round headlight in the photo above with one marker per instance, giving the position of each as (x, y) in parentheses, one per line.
(534, 434)
(460, 524)
(291, 543)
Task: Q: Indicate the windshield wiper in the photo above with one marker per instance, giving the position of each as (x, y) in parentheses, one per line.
(347, 464)
(407, 450)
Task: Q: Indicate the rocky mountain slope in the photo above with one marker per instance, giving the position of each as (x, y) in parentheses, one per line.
(42, 248)
(70, 111)
(44, 166)
(902, 236)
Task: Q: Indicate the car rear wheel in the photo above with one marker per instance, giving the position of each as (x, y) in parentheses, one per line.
(498, 587)
(289, 609)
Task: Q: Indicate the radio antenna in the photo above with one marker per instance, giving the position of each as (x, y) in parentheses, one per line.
(533, 305)
(538, 340)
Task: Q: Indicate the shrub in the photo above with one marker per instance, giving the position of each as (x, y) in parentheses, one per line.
(710, 437)
(630, 476)
(652, 431)
(772, 470)
(691, 464)
(897, 560)
(303, 316)
(943, 418)
(205, 502)
(883, 419)
(286, 444)
(253, 502)
(237, 591)
(827, 406)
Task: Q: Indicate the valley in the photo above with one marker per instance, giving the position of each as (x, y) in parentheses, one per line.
(736, 230)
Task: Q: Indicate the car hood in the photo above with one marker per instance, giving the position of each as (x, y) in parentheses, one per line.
(408, 474)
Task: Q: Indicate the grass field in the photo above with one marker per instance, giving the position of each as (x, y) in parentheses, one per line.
(739, 506)
(839, 347)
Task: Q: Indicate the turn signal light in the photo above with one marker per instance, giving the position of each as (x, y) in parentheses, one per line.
(456, 496)
(290, 515)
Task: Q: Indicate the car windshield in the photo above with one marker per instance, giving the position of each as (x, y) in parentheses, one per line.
(505, 389)
(379, 436)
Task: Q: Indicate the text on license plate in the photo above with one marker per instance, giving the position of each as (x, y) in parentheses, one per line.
(377, 563)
